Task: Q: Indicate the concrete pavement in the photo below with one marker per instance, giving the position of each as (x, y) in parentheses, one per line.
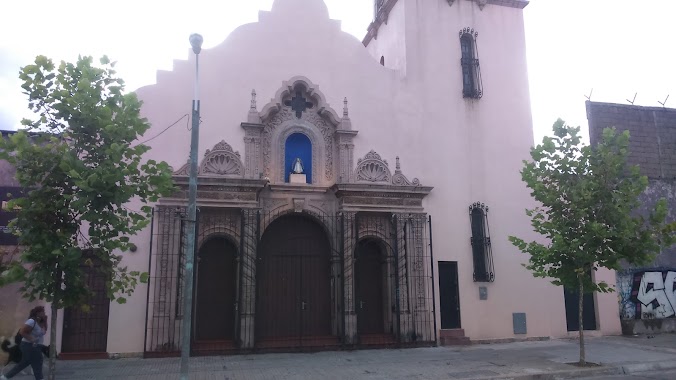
(617, 356)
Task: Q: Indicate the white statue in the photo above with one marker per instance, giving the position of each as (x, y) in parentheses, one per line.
(297, 167)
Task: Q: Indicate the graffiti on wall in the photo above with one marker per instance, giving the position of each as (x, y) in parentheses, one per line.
(647, 294)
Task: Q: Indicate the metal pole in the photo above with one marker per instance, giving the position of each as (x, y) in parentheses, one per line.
(186, 328)
(434, 296)
(150, 282)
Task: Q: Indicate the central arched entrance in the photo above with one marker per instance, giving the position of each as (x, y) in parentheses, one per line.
(294, 289)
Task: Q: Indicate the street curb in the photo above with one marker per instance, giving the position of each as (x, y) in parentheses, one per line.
(650, 366)
(559, 375)
(587, 372)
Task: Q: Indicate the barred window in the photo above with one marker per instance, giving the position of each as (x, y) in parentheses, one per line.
(481, 243)
(469, 61)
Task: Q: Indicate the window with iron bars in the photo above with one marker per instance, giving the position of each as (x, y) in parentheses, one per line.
(481, 243)
(469, 61)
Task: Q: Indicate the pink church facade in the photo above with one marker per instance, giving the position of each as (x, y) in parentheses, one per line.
(392, 231)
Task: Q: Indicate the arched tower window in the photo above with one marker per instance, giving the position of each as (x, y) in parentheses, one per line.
(299, 146)
(471, 74)
(382, 60)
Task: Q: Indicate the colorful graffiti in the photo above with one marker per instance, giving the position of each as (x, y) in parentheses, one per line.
(647, 294)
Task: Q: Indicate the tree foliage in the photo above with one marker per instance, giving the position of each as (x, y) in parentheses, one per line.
(588, 199)
(77, 161)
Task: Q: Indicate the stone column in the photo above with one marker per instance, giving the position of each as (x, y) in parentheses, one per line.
(406, 325)
(345, 156)
(349, 312)
(247, 304)
(252, 151)
(420, 281)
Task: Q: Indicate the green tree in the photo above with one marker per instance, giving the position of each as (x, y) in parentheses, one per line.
(79, 164)
(588, 198)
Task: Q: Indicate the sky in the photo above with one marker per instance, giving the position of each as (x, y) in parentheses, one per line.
(614, 50)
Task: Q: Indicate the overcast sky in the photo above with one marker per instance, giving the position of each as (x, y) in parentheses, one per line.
(615, 47)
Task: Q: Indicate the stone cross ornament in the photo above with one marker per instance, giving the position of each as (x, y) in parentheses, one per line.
(299, 104)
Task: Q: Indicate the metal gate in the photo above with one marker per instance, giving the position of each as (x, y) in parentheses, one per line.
(308, 288)
(85, 333)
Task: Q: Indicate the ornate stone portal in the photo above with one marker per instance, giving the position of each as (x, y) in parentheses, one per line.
(337, 183)
(340, 196)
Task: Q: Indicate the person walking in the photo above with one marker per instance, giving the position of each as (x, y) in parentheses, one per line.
(32, 333)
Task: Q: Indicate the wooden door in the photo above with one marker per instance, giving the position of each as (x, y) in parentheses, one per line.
(215, 295)
(449, 295)
(315, 307)
(86, 331)
(369, 288)
(278, 314)
(293, 281)
(572, 299)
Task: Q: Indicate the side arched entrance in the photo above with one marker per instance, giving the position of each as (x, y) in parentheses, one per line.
(373, 271)
(294, 289)
(215, 296)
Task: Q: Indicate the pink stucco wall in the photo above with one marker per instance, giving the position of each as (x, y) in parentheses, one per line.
(469, 150)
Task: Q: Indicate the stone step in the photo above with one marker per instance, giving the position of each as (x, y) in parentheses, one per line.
(457, 333)
(453, 341)
(453, 337)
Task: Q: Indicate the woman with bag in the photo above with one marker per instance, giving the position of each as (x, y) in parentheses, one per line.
(32, 333)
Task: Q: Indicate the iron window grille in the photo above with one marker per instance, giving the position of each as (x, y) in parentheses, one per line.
(481, 243)
(472, 86)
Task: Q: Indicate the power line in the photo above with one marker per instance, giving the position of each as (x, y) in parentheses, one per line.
(165, 129)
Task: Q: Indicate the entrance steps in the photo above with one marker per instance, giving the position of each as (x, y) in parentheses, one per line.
(306, 342)
(453, 337)
(213, 348)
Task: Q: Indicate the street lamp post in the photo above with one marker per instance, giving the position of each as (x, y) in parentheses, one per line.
(186, 328)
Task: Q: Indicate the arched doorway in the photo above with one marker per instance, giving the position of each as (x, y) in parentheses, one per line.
(215, 295)
(372, 299)
(294, 290)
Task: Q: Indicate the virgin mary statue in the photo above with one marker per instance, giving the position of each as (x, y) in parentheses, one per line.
(297, 167)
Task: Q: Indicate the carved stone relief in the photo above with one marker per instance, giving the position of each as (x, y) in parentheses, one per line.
(222, 160)
(372, 168)
(277, 136)
(316, 123)
(399, 179)
(321, 206)
(184, 170)
(327, 134)
(271, 204)
(298, 204)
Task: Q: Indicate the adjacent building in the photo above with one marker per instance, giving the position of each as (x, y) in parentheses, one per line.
(647, 294)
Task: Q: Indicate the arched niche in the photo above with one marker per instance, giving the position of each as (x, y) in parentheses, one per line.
(298, 146)
(298, 107)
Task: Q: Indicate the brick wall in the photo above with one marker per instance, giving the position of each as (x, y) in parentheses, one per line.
(652, 130)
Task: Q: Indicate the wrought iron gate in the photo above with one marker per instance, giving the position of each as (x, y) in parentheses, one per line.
(392, 251)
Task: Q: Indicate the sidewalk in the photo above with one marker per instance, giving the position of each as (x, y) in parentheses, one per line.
(523, 360)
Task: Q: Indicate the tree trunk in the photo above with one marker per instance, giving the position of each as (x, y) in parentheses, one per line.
(51, 374)
(581, 320)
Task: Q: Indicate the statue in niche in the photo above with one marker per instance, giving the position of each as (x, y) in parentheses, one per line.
(298, 167)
